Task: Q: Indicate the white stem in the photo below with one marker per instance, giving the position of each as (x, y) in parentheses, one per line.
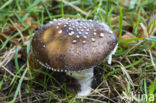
(84, 78)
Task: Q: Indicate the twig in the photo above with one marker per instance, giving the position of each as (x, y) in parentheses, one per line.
(8, 70)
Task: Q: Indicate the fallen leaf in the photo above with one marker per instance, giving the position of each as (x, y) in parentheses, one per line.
(154, 52)
(126, 37)
(15, 26)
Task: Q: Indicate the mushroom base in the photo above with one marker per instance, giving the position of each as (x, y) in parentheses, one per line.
(85, 78)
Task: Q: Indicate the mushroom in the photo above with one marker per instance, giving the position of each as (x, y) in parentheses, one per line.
(74, 46)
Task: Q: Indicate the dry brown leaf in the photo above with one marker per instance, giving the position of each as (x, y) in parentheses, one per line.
(154, 52)
(34, 27)
(125, 25)
(126, 37)
(14, 26)
(29, 22)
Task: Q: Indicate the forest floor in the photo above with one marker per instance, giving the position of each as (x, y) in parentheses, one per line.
(130, 78)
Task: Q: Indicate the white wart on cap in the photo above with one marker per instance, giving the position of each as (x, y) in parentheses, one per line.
(72, 44)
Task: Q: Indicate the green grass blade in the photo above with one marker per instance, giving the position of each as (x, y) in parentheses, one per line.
(6, 4)
(19, 85)
(120, 24)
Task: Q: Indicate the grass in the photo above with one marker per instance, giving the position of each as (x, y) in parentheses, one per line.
(132, 75)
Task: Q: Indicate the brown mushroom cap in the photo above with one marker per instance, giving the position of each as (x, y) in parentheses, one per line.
(72, 44)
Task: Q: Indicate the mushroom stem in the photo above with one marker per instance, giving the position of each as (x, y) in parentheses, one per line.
(85, 78)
